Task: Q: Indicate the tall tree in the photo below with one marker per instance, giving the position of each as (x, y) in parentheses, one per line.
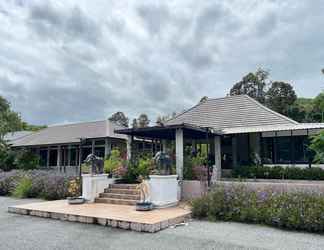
(253, 84)
(318, 108)
(143, 121)
(161, 119)
(134, 123)
(280, 97)
(10, 121)
(203, 99)
(120, 118)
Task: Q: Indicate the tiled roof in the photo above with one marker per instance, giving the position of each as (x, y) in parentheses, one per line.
(12, 136)
(70, 133)
(230, 112)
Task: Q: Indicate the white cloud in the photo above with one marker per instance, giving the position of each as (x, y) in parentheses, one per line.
(83, 60)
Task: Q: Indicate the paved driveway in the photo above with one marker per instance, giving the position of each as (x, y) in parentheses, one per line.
(26, 232)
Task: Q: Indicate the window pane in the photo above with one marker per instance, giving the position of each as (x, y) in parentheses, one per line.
(267, 149)
(300, 149)
(283, 149)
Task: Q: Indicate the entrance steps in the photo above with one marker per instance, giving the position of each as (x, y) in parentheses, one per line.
(122, 194)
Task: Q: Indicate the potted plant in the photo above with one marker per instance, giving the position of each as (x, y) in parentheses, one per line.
(163, 184)
(144, 204)
(74, 190)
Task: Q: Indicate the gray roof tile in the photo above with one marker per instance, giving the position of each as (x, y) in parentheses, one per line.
(70, 133)
(230, 112)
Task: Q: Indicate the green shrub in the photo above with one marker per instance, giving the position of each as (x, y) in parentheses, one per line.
(278, 172)
(296, 211)
(26, 160)
(23, 190)
(113, 162)
(43, 184)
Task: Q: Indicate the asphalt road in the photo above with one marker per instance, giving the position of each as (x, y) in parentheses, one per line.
(27, 232)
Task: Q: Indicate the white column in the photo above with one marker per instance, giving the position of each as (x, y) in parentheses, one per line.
(107, 147)
(93, 147)
(179, 153)
(164, 146)
(129, 147)
(48, 157)
(69, 156)
(217, 171)
(38, 155)
(58, 162)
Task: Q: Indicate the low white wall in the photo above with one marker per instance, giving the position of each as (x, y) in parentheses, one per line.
(163, 190)
(193, 189)
(93, 185)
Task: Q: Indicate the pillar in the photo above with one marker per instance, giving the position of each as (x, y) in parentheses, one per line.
(179, 153)
(48, 157)
(217, 171)
(164, 146)
(255, 146)
(93, 147)
(38, 155)
(69, 156)
(129, 147)
(58, 162)
(107, 147)
(234, 150)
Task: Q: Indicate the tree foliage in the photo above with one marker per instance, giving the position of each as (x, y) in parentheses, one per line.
(161, 119)
(253, 84)
(280, 97)
(134, 123)
(119, 118)
(10, 121)
(143, 121)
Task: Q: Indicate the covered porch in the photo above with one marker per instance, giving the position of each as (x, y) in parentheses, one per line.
(177, 140)
(68, 157)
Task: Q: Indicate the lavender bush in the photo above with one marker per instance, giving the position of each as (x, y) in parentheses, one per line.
(48, 185)
(297, 211)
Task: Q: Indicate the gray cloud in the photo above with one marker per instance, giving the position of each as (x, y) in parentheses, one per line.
(49, 21)
(65, 61)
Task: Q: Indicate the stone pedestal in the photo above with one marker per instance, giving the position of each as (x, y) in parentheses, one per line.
(93, 185)
(163, 190)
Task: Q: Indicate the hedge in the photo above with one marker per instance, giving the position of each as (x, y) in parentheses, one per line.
(48, 185)
(296, 211)
(279, 172)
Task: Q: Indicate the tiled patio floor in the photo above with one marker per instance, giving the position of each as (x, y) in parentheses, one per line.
(121, 216)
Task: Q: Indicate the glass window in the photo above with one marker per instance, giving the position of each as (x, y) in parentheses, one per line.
(100, 142)
(300, 149)
(283, 149)
(100, 151)
(267, 150)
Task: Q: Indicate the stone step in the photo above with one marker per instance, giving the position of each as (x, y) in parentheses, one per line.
(116, 201)
(122, 191)
(119, 196)
(123, 186)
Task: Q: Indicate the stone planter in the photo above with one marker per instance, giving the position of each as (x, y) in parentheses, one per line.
(93, 185)
(193, 189)
(163, 190)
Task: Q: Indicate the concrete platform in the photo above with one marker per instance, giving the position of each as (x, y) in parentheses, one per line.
(121, 216)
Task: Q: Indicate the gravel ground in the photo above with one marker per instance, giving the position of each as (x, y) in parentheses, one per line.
(26, 232)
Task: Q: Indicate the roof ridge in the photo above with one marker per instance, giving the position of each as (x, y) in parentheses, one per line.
(270, 110)
(75, 123)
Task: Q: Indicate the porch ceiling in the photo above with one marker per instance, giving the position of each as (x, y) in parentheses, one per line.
(167, 132)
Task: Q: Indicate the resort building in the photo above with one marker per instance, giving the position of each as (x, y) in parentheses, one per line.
(235, 131)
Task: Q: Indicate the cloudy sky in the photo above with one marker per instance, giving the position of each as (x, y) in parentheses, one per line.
(80, 60)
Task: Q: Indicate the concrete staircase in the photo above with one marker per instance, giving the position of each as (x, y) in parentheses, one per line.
(122, 194)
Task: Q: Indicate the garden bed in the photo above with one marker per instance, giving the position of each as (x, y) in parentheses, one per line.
(48, 185)
(263, 204)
